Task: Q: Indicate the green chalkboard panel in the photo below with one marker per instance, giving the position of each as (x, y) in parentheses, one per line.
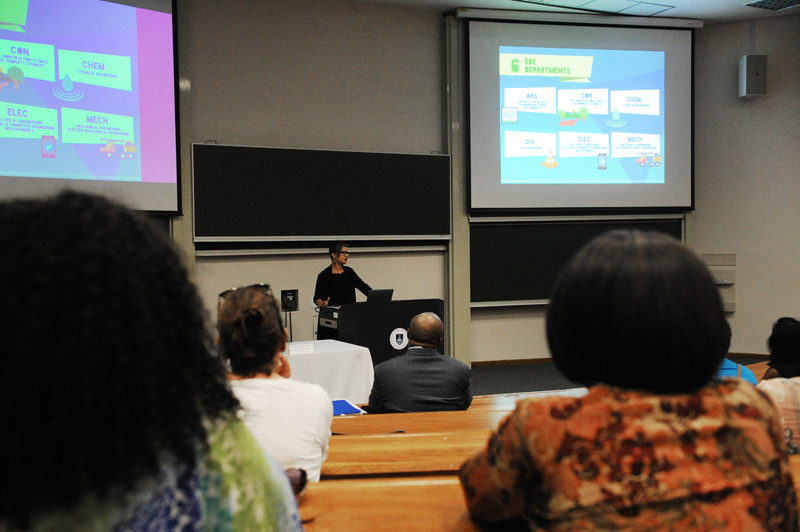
(522, 261)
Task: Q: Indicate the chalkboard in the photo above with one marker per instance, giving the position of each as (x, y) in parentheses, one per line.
(521, 261)
(244, 193)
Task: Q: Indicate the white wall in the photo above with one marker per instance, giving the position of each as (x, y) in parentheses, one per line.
(747, 170)
(334, 75)
(511, 333)
(311, 74)
(314, 74)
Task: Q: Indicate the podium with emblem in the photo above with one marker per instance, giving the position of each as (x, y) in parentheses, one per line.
(381, 326)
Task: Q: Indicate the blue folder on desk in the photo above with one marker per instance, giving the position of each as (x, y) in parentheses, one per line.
(343, 406)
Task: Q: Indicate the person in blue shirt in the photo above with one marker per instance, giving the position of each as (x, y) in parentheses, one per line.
(729, 368)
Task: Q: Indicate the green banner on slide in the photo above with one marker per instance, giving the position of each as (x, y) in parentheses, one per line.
(112, 71)
(88, 127)
(30, 60)
(561, 66)
(26, 121)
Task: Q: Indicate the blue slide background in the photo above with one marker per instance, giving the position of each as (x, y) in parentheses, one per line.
(613, 70)
(79, 25)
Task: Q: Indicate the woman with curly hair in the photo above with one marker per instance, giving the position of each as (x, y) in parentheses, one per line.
(116, 415)
(290, 419)
(656, 444)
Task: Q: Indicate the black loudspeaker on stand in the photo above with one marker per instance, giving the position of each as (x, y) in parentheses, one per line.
(289, 304)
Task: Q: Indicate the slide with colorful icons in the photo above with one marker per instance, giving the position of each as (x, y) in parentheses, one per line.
(69, 100)
(581, 116)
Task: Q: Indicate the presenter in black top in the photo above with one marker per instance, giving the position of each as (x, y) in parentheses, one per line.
(336, 285)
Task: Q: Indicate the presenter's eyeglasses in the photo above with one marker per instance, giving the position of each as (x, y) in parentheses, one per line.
(344, 253)
(262, 286)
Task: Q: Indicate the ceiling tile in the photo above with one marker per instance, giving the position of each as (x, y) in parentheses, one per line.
(646, 9)
(609, 6)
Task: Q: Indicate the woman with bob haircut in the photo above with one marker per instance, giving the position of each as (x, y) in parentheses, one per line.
(116, 414)
(289, 418)
(656, 444)
(784, 349)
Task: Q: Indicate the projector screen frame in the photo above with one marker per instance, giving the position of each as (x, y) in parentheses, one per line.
(686, 201)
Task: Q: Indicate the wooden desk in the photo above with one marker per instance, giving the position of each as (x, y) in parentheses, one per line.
(759, 368)
(417, 422)
(496, 403)
(507, 402)
(417, 443)
(401, 454)
(794, 468)
(421, 504)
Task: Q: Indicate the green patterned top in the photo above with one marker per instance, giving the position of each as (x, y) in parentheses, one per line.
(235, 487)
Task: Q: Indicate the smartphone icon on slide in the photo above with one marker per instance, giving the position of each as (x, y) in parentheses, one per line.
(602, 161)
(48, 147)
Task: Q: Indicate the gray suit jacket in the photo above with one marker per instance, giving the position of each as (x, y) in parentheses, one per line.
(422, 380)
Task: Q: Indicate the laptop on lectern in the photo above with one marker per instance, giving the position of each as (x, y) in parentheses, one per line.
(381, 294)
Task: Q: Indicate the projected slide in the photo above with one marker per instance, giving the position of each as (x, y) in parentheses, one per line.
(83, 95)
(581, 116)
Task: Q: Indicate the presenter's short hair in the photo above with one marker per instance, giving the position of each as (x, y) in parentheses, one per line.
(336, 247)
(637, 310)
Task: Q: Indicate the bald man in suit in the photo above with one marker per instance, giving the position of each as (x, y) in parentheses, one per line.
(422, 380)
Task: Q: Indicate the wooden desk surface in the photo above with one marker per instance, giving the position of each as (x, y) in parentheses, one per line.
(507, 402)
(416, 443)
(485, 412)
(794, 468)
(759, 368)
(500, 403)
(401, 454)
(420, 504)
(417, 422)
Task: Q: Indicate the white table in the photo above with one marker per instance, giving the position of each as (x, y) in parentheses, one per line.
(344, 370)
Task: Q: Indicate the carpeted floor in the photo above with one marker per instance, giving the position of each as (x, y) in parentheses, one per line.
(515, 378)
(532, 377)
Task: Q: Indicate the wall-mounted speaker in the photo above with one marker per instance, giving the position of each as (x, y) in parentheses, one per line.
(289, 300)
(752, 76)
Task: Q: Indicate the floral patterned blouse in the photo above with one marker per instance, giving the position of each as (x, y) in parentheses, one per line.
(631, 461)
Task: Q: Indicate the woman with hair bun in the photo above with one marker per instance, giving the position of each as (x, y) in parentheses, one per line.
(656, 444)
(290, 419)
(116, 414)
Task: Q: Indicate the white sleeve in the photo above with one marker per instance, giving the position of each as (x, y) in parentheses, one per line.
(325, 418)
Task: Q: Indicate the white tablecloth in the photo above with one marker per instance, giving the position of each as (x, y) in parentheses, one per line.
(344, 370)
